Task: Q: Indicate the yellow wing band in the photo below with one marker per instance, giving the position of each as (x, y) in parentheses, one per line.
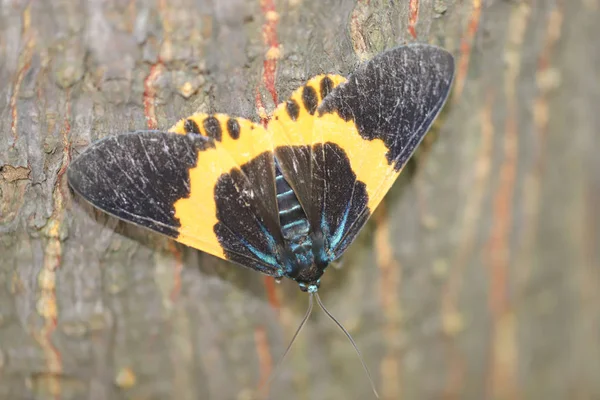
(301, 128)
(240, 141)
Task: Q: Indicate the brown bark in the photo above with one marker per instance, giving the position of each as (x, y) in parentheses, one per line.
(479, 276)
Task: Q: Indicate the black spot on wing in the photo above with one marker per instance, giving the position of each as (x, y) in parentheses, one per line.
(310, 99)
(212, 128)
(293, 109)
(395, 97)
(190, 126)
(233, 128)
(138, 176)
(326, 86)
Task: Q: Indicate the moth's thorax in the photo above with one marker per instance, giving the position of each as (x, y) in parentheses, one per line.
(305, 266)
(309, 277)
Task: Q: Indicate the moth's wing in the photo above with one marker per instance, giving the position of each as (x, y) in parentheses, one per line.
(342, 155)
(210, 187)
(368, 127)
(293, 137)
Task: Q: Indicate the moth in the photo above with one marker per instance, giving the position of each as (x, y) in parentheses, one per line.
(288, 199)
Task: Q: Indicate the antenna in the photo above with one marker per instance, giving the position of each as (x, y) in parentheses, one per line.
(350, 339)
(264, 389)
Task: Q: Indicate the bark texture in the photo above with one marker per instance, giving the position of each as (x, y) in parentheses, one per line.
(478, 278)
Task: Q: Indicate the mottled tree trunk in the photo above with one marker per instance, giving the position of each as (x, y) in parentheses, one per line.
(478, 278)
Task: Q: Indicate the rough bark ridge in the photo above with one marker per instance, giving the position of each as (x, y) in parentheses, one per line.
(478, 277)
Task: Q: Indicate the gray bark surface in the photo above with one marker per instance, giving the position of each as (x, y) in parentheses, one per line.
(477, 278)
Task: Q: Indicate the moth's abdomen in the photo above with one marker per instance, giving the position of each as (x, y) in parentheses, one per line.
(294, 224)
(295, 228)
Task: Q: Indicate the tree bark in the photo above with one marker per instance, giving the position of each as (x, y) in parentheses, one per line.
(477, 278)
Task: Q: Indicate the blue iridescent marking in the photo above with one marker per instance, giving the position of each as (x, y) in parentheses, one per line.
(285, 193)
(289, 210)
(312, 288)
(267, 259)
(270, 237)
(323, 255)
(334, 240)
(294, 223)
(303, 258)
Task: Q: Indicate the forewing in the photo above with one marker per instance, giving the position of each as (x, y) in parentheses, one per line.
(210, 187)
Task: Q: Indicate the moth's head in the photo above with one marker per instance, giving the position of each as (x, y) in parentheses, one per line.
(310, 287)
(308, 277)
